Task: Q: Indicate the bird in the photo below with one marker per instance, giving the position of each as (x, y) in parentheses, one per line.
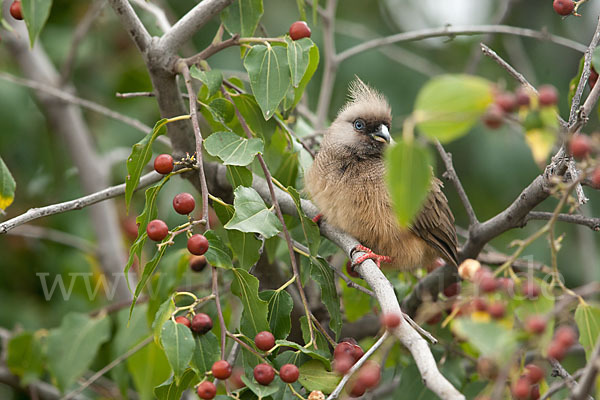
(347, 183)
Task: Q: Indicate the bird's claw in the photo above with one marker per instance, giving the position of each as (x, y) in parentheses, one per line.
(369, 254)
(317, 218)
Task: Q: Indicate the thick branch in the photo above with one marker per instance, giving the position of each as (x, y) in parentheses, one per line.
(77, 204)
(132, 23)
(190, 23)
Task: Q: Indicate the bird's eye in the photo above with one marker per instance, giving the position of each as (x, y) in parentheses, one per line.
(359, 124)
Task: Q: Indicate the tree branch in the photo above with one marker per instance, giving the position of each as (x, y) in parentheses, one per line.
(587, 381)
(77, 204)
(330, 65)
(591, 222)
(132, 23)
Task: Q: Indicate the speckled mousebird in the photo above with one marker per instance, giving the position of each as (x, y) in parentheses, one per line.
(347, 183)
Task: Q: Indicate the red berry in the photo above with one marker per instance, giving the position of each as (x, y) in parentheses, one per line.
(197, 263)
(566, 336)
(494, 117)
(197, 244)
(264, 374)
(563, 7)
(534, 373)
(236, 378)
(497, 310)
(289, 373)
(580, 146)
(358, 389)
(523, 98)
(264, 340)
(391, 320)
(370, 374)
(479, 304)
(299, 30)
(221, 369)
(506, 101)
(593, 78)
(452, 289)
(343, 348)
(535, 393)
(435, 319)
(488, 284)
(15, 10)
(531, 290)
(521, 389)
(535, 324)
(207, 390)
(130, 227)
(508, 285)
(157, 230)
(342, 363)
(357, 352)
(201, 323)
(163, 164)
(184, 203)
(183, 321)
(596, 178)
(548, 94)
(556, 350)
(351, 272)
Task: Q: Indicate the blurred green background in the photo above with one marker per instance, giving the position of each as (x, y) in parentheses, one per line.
(494, 165)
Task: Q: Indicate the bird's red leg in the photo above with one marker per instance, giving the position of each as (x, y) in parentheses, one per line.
(369, 254)
(317, 218)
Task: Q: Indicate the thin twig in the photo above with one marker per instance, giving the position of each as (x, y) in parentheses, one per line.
(451, 31)
(419, 329)
(77, 204)
(80, 31)
(453, 176)
(330, 65)
(338, 389)
(215, 290)
(69, 98)
(509, 68)
(591, 222)
(275, 203)
(107, 368)
(161, 19)
(213, 48)
(184, 69)
(558, 385)
(588, 380)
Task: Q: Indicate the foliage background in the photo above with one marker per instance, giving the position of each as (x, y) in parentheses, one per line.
(494, 165)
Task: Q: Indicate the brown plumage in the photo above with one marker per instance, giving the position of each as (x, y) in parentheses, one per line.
(346, 181)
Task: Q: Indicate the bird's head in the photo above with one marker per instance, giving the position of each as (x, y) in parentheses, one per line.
(363, 124)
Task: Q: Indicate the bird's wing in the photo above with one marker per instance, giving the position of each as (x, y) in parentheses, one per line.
(435, 223)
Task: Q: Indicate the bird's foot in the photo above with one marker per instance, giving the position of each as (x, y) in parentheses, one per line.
(317, 218)
(369, 254)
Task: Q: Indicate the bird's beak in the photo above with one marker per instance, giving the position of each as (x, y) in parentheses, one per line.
(382, 135)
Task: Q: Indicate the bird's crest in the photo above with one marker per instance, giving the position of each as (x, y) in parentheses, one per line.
(365, 99)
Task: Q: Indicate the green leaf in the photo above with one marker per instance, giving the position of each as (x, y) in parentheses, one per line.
(148, 368)
(490, 338)
(310, 229)
(356, 303)
(298, 57)
(7, 186)
(449, 105)
(312, 354)
(254, 315)
(320, 344)
(239, 176)
(164, 313)
(35, 14)
(252, 112)
(171, 390)
(73, 345)
(280, 305)
(148, 270)
(261, 391)
(206, 352)
(587, 318)
(408, 178)
(269, 74)
(141, 152)
(179, 344)
(233, 149)
(323, 275)
(128, 334)
(222, 110)
(163, 283)
(313, 64)
(314, 376)
(24, 357)
(246, 247)
(251, 214)
(213, 79)
(242, 17)
(217, 255)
